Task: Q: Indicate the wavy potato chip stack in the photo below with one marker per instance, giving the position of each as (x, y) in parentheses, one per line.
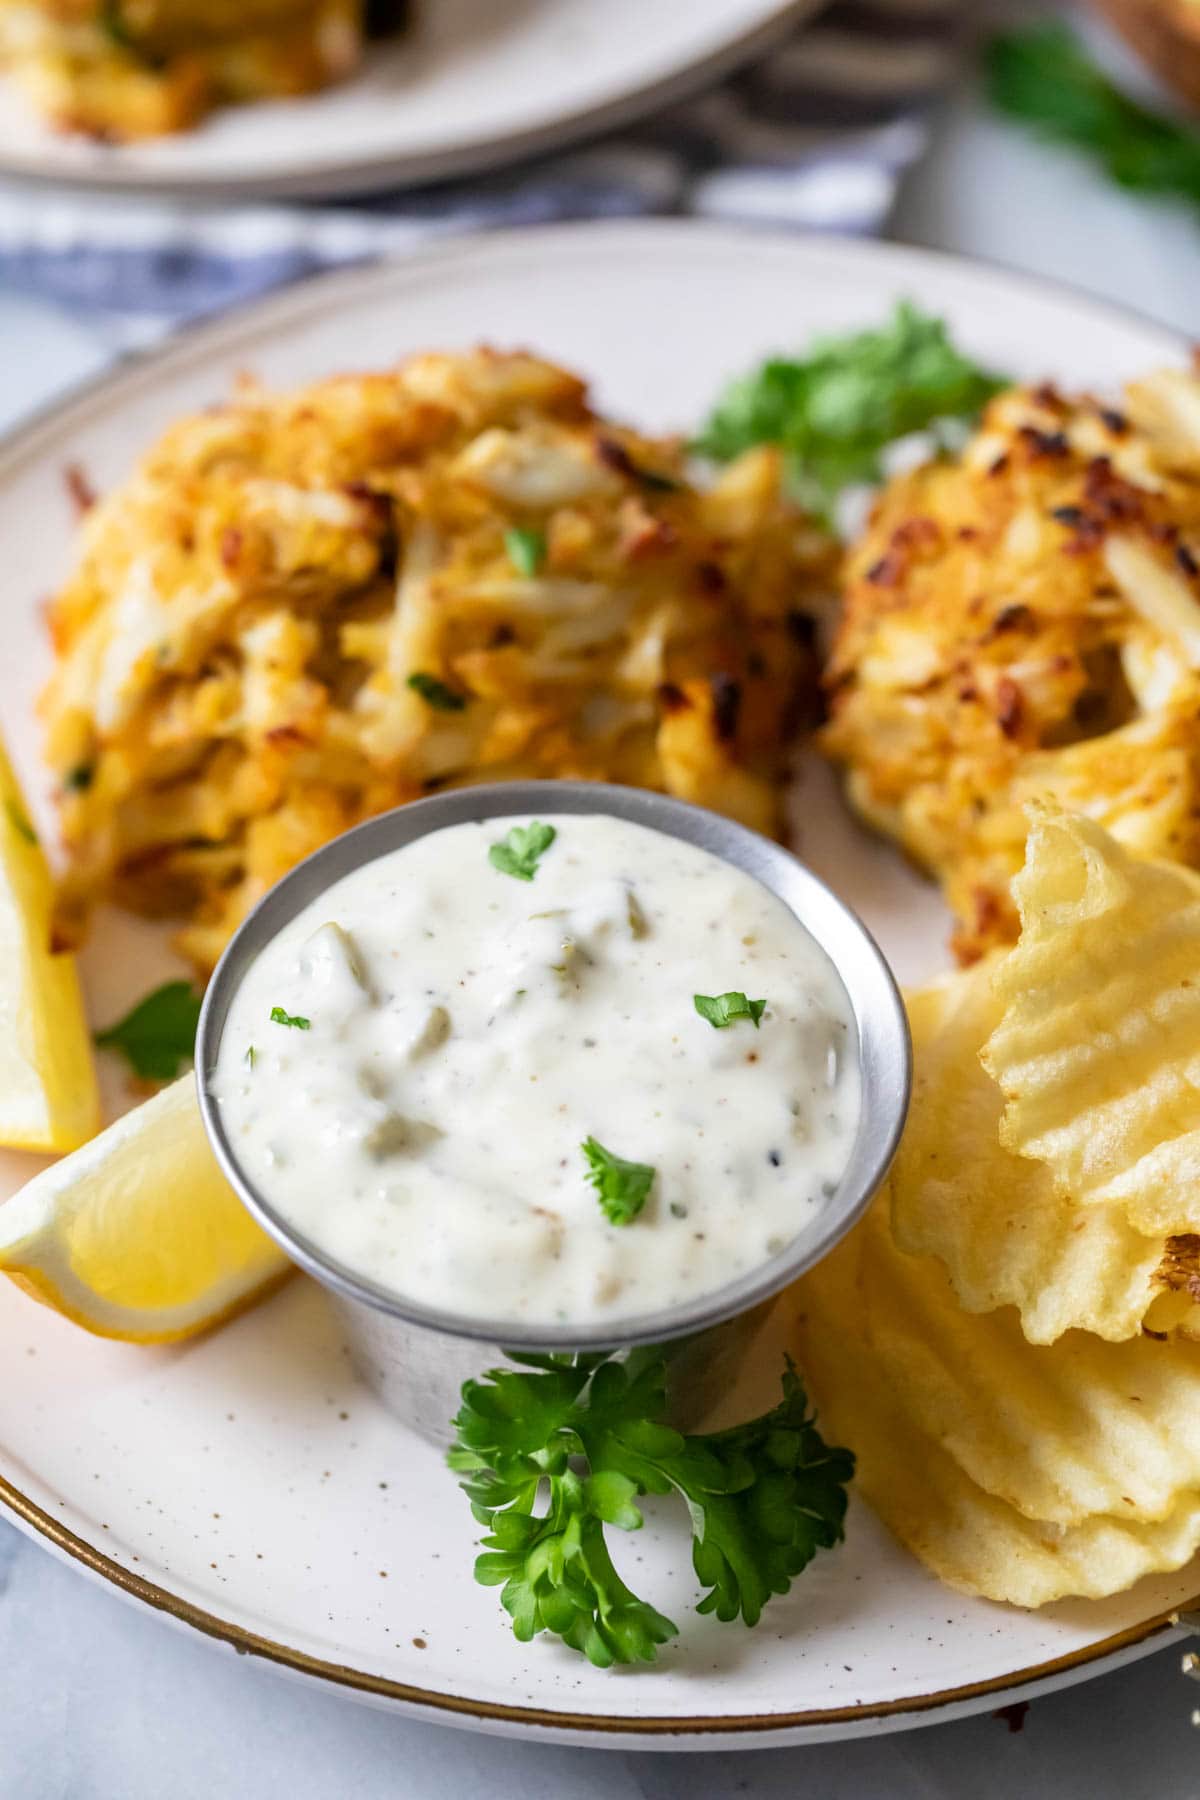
(972, 1539)
(1007, 1339)
(1006, 1234)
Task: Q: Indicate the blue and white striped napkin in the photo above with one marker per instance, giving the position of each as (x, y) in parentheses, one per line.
(816, 135)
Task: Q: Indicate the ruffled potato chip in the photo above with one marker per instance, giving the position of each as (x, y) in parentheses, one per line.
(1062, 1432)
(969, 1539)
(1098, 1049)
(1005, 1232)
(988, 1339)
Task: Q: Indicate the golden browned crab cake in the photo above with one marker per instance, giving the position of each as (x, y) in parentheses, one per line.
(304, 608)
(1024, 619)
(125, 69)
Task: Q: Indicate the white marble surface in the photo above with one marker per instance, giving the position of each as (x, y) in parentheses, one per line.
(101, 1701)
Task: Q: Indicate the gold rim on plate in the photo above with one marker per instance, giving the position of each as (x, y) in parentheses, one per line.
(251, 1643)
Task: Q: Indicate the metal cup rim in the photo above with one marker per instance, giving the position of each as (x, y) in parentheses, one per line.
(884, 1046)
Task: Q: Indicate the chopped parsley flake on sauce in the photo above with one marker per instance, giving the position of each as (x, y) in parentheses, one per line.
(722, 1009)
(622, 1186)
(521, 851)
(296, 1020)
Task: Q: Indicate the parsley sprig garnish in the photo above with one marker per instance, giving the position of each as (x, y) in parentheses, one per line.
(1043, 77)
(722, 1009)
(296, 1020)
(521, 851)
(159, 1036)
(835, 410)
(622, 1186)
(763, 1498)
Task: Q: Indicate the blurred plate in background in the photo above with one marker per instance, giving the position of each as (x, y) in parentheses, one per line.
(471, 85)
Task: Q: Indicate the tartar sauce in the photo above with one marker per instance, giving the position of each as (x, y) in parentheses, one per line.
(411, 1068)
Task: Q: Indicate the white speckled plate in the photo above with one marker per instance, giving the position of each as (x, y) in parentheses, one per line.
(470, 85)
(245, 1485)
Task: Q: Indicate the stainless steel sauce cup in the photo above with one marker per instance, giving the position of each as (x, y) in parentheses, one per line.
(416, 1357)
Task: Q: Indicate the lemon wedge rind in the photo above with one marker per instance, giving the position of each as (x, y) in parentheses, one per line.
(137, 1235)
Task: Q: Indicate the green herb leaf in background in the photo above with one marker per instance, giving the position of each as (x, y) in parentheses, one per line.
(762, 1498)
(722, 1009)
(435, 693)
(526, 549)
(158, 1037)
(1043, 77)
(835, 410)
(520, 852)
(622, 1186)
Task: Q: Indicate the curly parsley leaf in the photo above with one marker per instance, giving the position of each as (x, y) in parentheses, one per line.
(622, 1186)
(722, 1009)
(435, 693)
(836, 410)
(158, 1037)
(581, 1438)
(522, 850)
(1043, 77)
(296, 1020)
(526, 549)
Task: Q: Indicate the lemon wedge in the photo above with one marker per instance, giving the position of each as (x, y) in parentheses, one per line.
(138, 1235)
(48, 1094)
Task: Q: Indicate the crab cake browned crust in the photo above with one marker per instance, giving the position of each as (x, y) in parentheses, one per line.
(1024, 620)
(305, 608)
